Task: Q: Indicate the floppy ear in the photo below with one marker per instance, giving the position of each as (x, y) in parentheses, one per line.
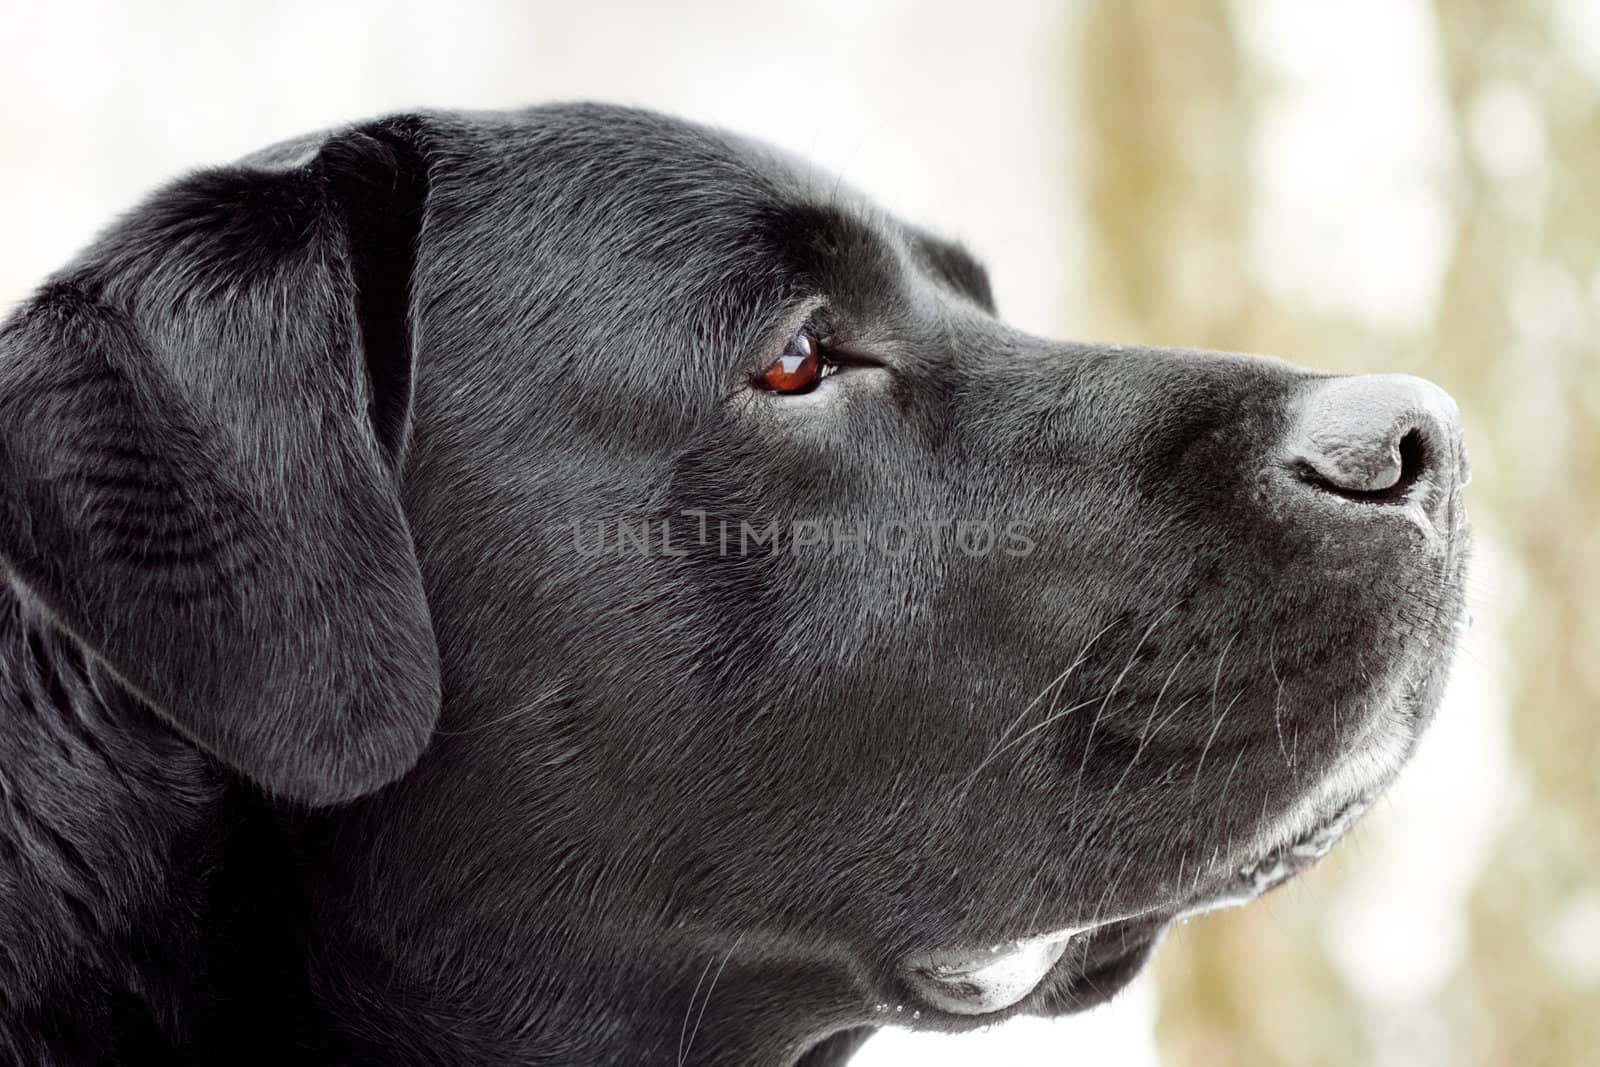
(201, 429)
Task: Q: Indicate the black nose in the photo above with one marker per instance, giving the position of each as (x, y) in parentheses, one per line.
(1379, 438)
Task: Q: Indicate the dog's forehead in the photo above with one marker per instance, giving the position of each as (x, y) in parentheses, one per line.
(713, 196)
(842, 216)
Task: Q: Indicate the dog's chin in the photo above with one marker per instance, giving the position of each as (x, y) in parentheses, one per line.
(1100, 968)
(1065, 970)
(1072, 970)
(1056, 973)
(1069, 970)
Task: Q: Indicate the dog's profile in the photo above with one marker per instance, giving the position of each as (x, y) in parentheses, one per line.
(576, 587)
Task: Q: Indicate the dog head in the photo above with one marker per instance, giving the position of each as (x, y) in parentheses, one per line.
(794, 617)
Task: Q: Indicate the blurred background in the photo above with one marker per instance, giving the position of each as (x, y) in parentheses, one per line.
(1369, 185)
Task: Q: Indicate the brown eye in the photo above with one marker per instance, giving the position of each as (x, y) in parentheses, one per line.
(798, 370)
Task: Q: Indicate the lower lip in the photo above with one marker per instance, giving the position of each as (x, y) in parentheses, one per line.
(983, 984)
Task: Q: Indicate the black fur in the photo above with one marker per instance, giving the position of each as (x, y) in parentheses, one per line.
(326, 736)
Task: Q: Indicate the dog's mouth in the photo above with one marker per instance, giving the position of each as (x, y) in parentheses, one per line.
(1077, 967)
(1054, 973)
(963, 982)
(1280, 864)
(1071, 968)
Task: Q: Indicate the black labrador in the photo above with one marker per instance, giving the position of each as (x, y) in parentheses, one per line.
(576, 587)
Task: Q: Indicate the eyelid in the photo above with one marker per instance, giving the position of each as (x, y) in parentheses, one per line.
(844, 356)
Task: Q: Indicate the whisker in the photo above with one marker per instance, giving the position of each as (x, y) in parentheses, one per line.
(1277, 704)
(1054, 683)
(1215, 727)
(694, 996)
(1184, 703)
(1133, 658)
(1222, 802)
(1145, 734)
(1024, 736)
(683, 1056)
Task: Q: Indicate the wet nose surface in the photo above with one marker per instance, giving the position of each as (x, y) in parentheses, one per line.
(1372, 439)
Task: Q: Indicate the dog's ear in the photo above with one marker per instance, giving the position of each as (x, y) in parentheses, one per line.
(202, 425)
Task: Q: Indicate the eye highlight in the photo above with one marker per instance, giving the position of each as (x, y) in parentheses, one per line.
(799, 369)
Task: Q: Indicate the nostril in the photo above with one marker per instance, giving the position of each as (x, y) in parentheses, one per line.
(1374, 439)
(1409, 461)
(1415, 459)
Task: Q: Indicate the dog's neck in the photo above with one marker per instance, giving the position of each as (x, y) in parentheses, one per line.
(716, 1013)
(114, 863)
(146, 914)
